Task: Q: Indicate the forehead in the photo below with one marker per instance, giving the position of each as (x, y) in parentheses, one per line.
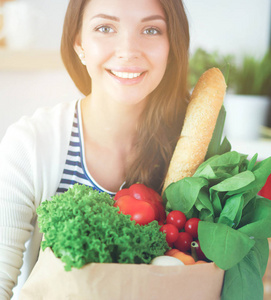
(124, 7)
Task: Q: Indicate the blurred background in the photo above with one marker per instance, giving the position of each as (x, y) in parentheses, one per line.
(233, 35)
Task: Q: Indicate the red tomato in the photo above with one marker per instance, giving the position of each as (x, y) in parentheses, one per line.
(183, 242)
(170, 245)
(140, 211)
(171, 232)
(177, 218)
(191, 227)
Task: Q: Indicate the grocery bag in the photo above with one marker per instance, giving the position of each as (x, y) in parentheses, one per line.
(113, 281)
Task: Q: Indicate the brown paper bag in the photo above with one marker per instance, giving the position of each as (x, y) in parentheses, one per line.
(49, 281)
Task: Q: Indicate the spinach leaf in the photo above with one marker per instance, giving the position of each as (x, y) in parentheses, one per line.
(232, 211)
(235, 182)
(261, 171)
(256, 221)
(226, 160)
(183, 194)
(215, 200)
(225, 146)
(244, 280)
(205, 215)
(222, 244)
(252, 162)
(214, 146)
(204, 206)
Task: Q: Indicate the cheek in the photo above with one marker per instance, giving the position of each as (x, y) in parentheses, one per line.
(96, 52)
(160, 59)
(159, 54)
(164, 53)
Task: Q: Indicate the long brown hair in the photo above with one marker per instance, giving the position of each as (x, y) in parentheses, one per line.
(162, 119)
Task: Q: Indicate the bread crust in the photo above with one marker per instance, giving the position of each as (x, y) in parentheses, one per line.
(199, 124)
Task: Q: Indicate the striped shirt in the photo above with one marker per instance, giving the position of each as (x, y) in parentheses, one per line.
(75, 170)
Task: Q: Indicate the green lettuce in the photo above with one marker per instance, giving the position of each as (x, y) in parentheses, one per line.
(82, 226)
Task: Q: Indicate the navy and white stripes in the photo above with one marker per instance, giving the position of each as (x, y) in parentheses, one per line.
(74, 170)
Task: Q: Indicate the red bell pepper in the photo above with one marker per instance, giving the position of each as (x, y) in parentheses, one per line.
(266, 190)
(142, 203)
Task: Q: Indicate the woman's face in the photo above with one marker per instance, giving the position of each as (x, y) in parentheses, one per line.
(126, 47)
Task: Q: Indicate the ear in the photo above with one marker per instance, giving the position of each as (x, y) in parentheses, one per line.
(77, 46)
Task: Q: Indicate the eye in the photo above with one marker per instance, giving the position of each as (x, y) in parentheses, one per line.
(152, 31)
(104, 29)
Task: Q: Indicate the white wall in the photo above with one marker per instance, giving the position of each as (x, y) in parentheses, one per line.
(37, 21)
(230, 26)
(51, 14)
(21, 93)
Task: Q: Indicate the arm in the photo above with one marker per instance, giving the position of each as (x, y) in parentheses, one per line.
(32, 158)
(16, 202)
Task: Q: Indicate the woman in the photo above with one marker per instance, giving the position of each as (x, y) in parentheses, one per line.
(130, 59)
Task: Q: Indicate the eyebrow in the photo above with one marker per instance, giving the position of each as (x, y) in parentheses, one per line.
(150, 18)
(154, 17)
(104, 16)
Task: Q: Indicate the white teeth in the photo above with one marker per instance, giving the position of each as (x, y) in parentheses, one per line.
(126, 74)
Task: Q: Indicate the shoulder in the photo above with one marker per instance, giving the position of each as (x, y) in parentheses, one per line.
(57, 114)
(36, 146)
(35, 134)
(44, 121)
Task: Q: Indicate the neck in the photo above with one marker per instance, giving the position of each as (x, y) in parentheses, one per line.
(115, 125)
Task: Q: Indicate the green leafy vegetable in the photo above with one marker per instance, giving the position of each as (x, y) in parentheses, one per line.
(185, 201)
(226, 246)
(82, 226)
(215, 147)
(244, 280)
(232, 211)
(256, 221)
(236, 222)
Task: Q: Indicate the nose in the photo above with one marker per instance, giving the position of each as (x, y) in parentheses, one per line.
(128, 47)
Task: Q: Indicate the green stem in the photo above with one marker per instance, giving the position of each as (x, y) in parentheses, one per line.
(194, 246)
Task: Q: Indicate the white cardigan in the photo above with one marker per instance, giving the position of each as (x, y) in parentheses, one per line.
(32, 158)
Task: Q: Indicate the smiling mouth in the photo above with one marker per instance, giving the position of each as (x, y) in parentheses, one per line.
(125, 75)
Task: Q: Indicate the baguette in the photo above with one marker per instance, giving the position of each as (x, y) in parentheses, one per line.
(199, 123)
